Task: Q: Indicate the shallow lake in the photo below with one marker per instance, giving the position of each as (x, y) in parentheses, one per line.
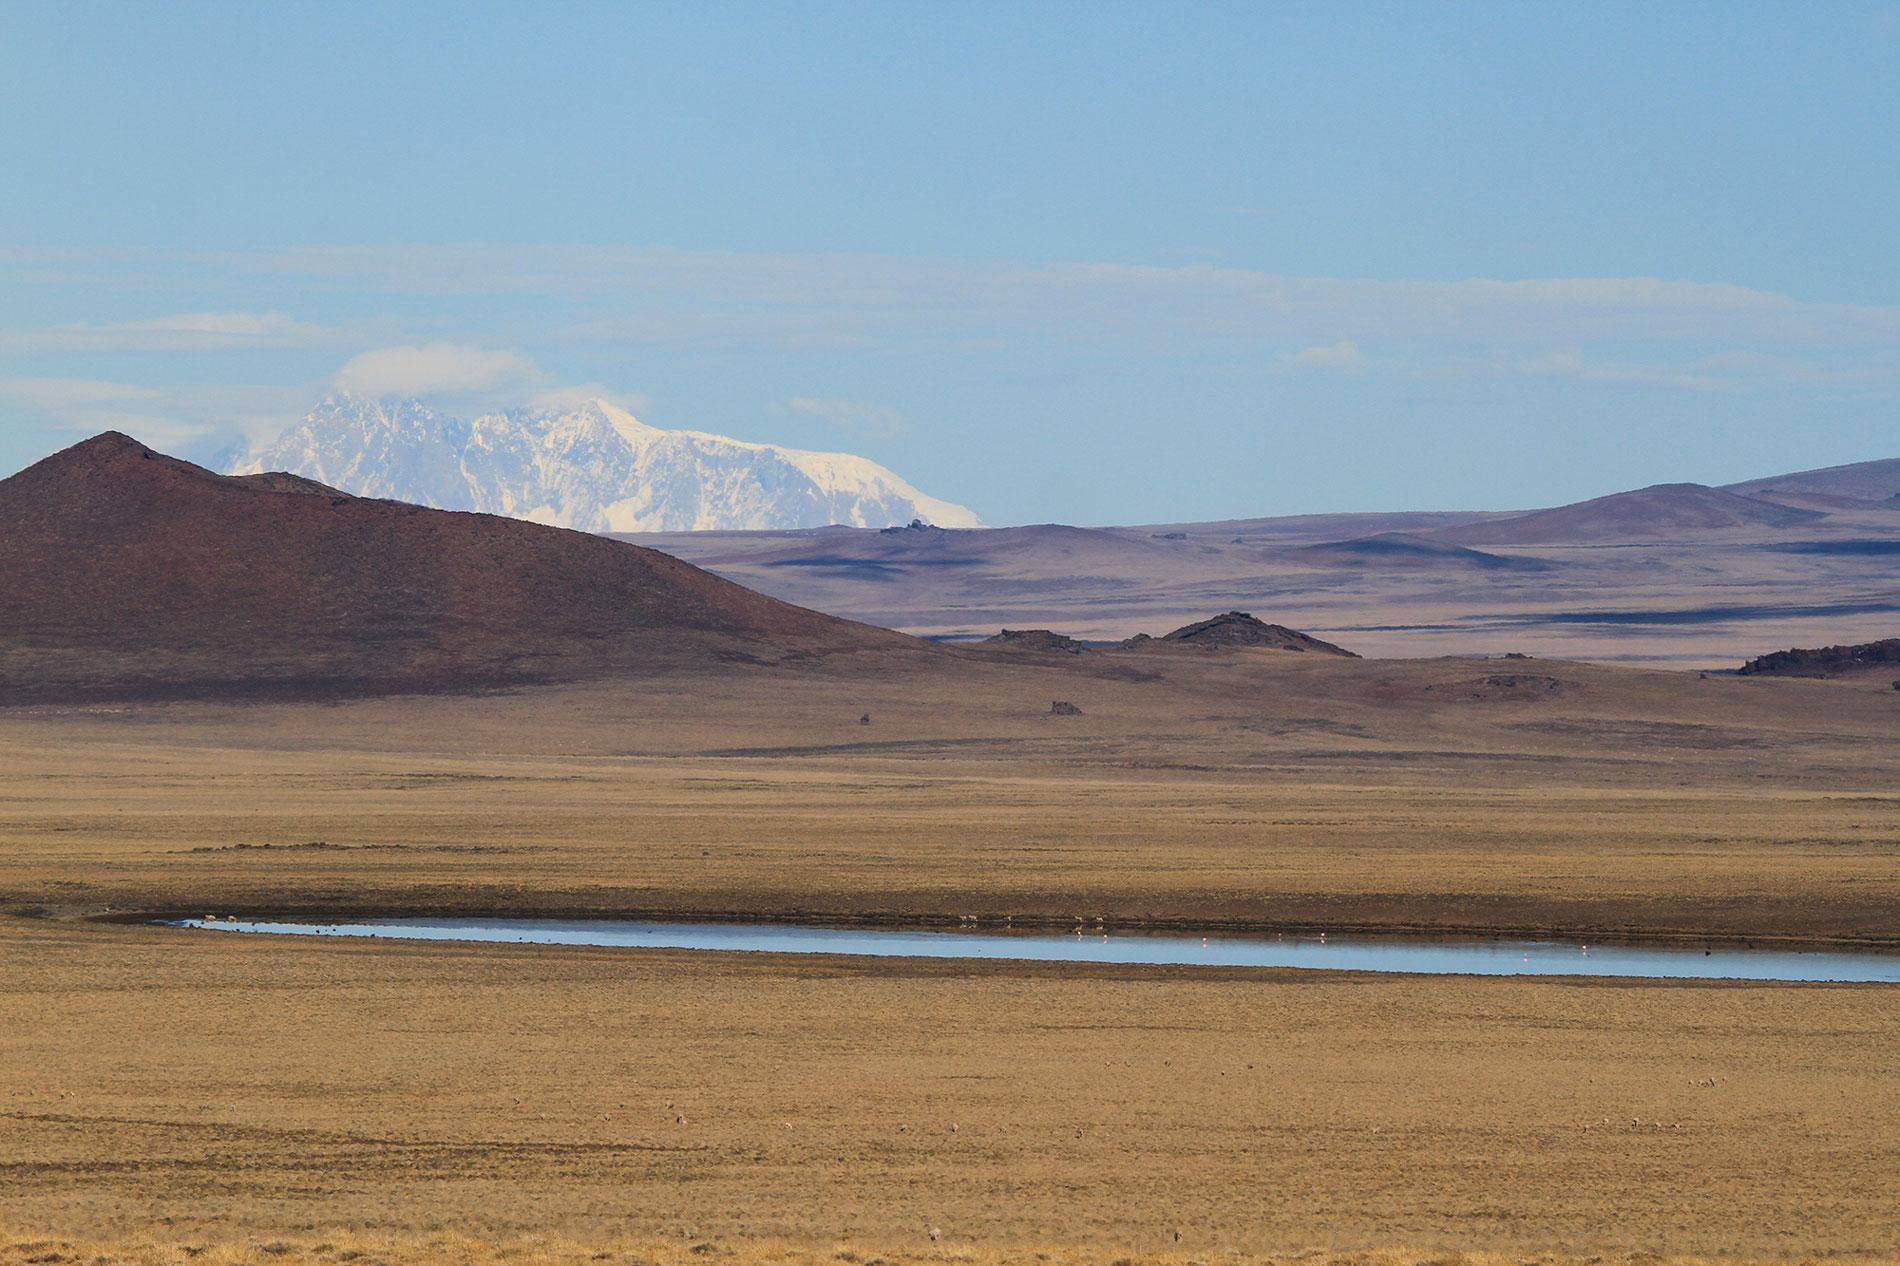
(1338, 953)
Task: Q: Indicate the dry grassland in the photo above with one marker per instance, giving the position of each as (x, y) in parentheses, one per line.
(356, 1249)
(161, 1091)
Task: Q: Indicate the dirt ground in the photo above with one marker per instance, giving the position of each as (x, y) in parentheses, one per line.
(196, 1089)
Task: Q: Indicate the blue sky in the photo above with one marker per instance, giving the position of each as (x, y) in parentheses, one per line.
(1092, 263)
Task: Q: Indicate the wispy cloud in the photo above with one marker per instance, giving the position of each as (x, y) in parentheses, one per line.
(185, 332)
(658, 295)
(1194, 298)
(171, 414)
(1574, 364)
(1729, 371)
(432, 369)
(1343, 356)
(853, 417)
(467, 301)
(471, 378)
(584, 393)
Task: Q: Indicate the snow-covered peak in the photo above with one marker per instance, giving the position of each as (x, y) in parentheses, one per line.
(590, 464)
(401, 449)
(632, 429)
(592, 412)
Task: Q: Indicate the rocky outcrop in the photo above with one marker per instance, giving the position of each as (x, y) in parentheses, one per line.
(1237, 629)
(1037, 640)
(1825, 661)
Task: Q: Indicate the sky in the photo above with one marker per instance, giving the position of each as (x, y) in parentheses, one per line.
(1088, 263)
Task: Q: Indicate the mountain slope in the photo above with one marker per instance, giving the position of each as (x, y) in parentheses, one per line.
(132, 573)
(1403, 550)
(1660, 512)
(1861, 481)
(594, 467)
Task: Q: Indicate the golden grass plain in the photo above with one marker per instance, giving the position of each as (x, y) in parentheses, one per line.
(170, 1088)
(358, 1249)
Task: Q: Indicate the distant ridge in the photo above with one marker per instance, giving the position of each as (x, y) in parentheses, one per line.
(1660, 512)
(897, 553)
(130, 573)
(1681, 575)
(1860, 481)
(1404, 549)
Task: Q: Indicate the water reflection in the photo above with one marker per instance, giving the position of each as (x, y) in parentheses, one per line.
(1096, 945)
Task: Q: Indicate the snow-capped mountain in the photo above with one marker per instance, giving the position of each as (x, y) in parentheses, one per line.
(591, 466)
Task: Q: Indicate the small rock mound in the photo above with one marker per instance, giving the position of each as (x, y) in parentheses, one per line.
(1037, 640)
(1518, 686)
(1237, 629)
(1063, 708)
(1825, 661)
(914, 526)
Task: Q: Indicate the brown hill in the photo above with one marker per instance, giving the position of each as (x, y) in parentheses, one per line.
(1664, 511)
(1238, 629)
(131, 573)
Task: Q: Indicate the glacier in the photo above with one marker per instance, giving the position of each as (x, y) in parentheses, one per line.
(592, 466)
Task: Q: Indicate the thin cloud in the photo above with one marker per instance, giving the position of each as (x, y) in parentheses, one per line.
(556, 398)
(720, 304)
(1722, 371)
(854, 417)
(185, 332)
(1341, 357)
(432, 369)
(647, 294)
(59, 393)
(172, 414)
(182, 413)
(1573, 364)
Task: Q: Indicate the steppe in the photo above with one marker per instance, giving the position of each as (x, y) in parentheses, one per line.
(433, 713)
(259, 1098)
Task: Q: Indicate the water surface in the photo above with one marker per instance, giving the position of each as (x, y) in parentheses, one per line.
(1339, 953)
